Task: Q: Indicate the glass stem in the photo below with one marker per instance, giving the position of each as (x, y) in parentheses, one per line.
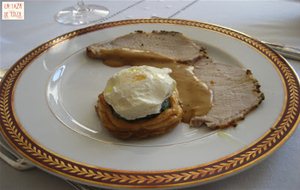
(81, 6)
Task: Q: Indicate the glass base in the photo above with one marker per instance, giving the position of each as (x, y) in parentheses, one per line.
(81, 15)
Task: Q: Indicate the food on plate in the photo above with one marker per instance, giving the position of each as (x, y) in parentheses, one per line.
(141, 46)
(212, 94)
(236, 92)
(161, 49)
(195, 96)
(139, 102)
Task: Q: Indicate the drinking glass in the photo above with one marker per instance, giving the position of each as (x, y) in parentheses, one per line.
(81, 14)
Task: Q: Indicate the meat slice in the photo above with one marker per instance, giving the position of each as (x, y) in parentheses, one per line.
(161, 45)
(235, 93)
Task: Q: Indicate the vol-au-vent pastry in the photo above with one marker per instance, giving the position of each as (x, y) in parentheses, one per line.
(139, 102)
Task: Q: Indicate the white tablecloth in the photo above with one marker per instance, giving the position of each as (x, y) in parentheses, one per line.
(274, 21)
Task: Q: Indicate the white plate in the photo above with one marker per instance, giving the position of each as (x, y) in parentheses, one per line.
(47, 112)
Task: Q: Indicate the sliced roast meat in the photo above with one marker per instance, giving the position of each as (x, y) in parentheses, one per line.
(139, 45)
(235, 93)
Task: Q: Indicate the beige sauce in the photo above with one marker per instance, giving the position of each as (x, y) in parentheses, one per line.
(195, 96)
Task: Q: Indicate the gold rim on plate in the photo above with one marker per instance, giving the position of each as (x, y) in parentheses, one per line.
(282, 129)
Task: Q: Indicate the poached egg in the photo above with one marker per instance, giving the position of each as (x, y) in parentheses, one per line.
(139, 91)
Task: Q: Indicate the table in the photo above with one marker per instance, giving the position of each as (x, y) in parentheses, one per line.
(274, 21)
